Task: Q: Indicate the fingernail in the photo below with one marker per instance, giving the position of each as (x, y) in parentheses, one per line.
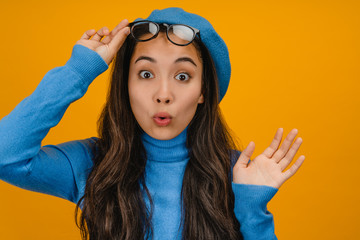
(127, 31)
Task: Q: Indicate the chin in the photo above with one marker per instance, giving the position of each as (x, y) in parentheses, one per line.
(163, 133)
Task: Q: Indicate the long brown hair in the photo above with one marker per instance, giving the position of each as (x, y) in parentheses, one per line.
(113, 206)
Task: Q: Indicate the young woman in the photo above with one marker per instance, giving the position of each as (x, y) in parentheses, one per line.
(165, 165)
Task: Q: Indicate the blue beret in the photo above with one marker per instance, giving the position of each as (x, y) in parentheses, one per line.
(215, 44)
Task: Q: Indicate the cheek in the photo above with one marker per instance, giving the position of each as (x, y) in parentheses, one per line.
(189, 105)
(137, 98)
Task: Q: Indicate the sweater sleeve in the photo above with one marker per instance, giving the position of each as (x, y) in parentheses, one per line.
(256, 222)
(59, 170)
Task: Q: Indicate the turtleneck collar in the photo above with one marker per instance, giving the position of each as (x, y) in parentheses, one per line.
(172, 150)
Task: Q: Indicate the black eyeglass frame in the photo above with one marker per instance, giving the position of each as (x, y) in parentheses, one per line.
(195, 31)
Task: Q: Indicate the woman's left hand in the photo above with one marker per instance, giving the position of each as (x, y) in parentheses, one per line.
(266, 169)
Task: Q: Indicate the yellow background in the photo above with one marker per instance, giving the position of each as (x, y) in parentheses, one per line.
(295, 64)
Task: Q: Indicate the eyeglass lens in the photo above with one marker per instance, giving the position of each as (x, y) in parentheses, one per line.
(179, 34)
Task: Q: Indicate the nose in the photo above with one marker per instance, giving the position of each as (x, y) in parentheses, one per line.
(164, 93)
(165, 100)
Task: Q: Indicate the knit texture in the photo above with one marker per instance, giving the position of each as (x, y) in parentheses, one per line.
(61, 170)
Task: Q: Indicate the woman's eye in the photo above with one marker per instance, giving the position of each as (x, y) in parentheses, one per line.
(183, 76)
(145, 75)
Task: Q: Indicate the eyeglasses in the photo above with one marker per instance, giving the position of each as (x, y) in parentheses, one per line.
(178, 34)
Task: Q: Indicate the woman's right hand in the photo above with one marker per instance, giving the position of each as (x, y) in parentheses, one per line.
(108, 46)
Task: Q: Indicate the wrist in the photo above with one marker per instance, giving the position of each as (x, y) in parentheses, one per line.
(87, 63)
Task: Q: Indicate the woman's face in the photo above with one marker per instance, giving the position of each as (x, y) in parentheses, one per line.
(164, 77)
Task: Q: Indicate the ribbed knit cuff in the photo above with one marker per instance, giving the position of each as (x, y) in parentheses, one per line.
(86, 62)
(249, 197)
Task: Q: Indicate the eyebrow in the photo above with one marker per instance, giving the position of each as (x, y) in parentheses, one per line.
(181, 59)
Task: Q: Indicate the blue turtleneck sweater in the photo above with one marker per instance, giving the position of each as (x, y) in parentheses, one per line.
(61, 170)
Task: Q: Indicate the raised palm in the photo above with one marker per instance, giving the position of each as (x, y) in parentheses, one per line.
(267, 168)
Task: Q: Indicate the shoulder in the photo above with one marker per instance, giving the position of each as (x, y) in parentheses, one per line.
(86, 145)
(79, 152)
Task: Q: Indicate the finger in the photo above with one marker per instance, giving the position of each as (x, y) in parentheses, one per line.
(290, 154)
(119, 39)
(88, 34)
(112, 34)
(280, 153)
(274, 144)
(101, 33)
(293, 169)
(245, 155)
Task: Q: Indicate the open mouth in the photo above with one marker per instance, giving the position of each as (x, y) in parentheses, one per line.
(162, 121)
(162, 118)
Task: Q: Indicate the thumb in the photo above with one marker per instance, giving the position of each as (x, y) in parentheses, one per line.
(245, 155)
(118, 39)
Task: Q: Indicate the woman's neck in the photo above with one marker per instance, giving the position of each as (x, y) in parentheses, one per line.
(172, 150)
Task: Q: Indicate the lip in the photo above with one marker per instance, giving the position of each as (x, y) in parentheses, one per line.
(163, 115)
(162, 119)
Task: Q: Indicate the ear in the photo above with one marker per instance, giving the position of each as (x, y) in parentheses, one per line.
(201, 98)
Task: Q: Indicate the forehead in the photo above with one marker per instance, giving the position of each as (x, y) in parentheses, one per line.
(162, 47)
